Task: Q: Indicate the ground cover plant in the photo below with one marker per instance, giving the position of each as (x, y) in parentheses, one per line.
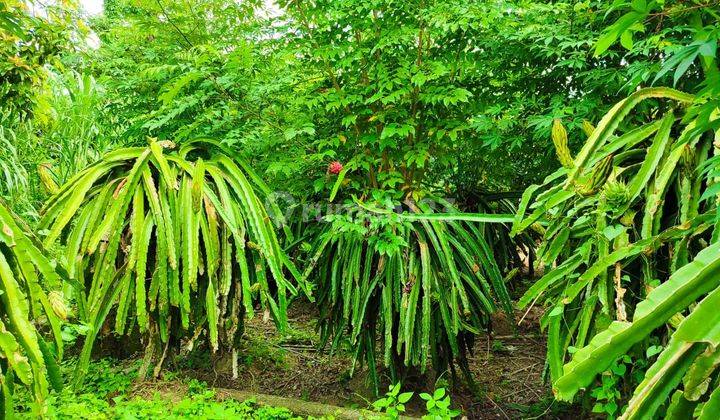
(392, 192)
(108, 393)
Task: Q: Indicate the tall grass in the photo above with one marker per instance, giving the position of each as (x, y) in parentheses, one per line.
(74, 134)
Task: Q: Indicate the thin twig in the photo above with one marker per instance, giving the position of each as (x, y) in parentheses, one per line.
(167, 16)
(523, 369)
(498, 407)
(543, 413)
(698, 6)
(528, 309)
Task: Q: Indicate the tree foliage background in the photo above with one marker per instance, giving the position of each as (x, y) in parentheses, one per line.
(463, 92)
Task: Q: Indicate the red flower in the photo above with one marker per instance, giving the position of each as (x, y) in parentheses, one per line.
(335, 167)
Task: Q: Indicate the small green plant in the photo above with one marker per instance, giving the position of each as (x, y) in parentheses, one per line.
(626, 372)
(108, 377)
(607, 393)
(438, 405)
(393, 404)
(498, 346)
(71, 332)
(107, 394)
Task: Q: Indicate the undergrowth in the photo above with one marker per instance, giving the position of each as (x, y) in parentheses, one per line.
(109, 393)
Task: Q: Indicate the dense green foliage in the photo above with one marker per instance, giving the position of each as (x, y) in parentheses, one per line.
(107, 393)
(187, 164)
(461, 92)
(28, 42)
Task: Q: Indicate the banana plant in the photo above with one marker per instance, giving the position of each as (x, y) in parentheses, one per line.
(177, 240)
(421, 283)
(617, 219)
(25, 307)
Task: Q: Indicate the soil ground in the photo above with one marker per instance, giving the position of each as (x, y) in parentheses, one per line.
(507, 367)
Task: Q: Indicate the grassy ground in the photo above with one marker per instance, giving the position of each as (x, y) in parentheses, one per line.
(111, 392)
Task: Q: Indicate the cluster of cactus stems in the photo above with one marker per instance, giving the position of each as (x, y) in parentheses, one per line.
(630, 230)
(175, 242)
(30, 287)
(424, 302)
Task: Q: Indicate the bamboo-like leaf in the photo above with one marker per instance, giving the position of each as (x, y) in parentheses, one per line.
(24, 332)
(654, 155)
(143, 243)
(165, 171)
(338, 181)
(198, 184)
